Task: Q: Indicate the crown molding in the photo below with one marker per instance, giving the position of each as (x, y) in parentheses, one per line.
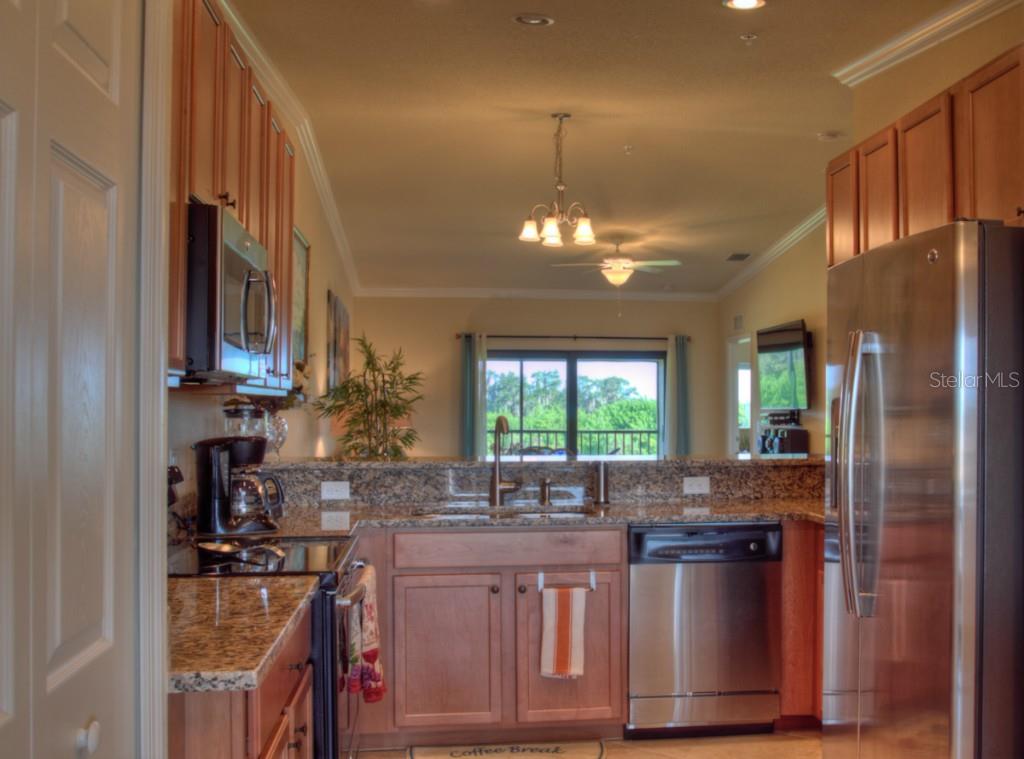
(931, 32)
(780, 246)
(286, 101)
(530, 294)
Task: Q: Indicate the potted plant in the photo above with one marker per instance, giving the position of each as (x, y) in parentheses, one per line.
(373, 404)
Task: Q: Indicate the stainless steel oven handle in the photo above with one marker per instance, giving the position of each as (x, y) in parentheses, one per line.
(271, 311)
(856, 363)
(243, 318)
(355, 595)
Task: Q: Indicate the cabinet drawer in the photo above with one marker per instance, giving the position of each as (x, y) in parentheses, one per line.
(513, 548)
(267, 702)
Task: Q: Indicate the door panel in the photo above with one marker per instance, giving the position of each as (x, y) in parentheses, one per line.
(989, 132)
(879, 212)
(283, 266)
(926, 166)
(447, 649)
(683, 606)
(17, 126)
(598, 694)
(255, 197)
(204, 128)
(80, 318)
(841, 202)
(905, 536)
(840, 667)
(232, 136)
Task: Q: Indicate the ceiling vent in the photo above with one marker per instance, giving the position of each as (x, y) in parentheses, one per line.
(738, 257)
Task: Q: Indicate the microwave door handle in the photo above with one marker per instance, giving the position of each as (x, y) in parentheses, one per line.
(243, 318)
(271, 311)
(856, 355)
(839, 477)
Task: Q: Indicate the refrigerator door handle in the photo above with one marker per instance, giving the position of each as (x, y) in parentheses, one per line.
(854, 362)
(839, 484)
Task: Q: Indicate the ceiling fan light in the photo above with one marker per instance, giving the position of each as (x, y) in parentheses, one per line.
(529, 233)
(616, 276)
(584, 234)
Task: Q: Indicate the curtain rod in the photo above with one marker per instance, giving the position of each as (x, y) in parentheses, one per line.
(566, 337)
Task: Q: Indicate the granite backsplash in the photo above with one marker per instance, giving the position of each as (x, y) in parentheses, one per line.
(447, 482)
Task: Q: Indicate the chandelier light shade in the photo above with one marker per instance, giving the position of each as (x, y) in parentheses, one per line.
(529, 233)
(550, 217)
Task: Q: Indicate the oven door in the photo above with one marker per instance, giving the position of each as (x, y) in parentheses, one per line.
(248, 302)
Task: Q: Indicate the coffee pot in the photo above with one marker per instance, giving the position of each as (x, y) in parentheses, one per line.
(233, 497)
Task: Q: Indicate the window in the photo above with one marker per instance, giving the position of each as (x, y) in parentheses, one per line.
(740, 408)
(595, 405)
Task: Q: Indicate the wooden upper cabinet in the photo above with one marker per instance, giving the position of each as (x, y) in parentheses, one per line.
(231, 188)
(207, 44)
(447, 646)
(272, 183)
(283, 264)
(599, 694)
(178, 186)
(841, 208)
(255, 195)
(988, 136)
(879, 198)
(925, 148)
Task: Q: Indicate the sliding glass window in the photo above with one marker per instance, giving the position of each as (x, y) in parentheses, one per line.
(594, 405)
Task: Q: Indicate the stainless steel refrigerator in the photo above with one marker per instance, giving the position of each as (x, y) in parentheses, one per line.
(924, 585)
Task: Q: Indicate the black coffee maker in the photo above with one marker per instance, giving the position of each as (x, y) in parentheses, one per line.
(222, 463)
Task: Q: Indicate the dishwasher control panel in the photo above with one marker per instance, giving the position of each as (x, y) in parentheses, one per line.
(705, 543)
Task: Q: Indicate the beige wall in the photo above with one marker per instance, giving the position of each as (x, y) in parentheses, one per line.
(791, 287)
(884, 98)
(193, 417)
(425, 329)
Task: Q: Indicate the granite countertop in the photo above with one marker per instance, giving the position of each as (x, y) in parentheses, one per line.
(225, 632)
(305, 521)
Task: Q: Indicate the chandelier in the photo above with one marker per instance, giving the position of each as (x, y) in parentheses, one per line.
(550, 218)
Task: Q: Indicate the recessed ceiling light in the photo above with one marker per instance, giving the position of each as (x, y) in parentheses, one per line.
(749, 38)
(743, 5)
(534, 19)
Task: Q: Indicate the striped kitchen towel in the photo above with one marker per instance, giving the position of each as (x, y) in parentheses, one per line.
(561, 649)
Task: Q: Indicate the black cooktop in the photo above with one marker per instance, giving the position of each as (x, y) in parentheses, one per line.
(257, 556)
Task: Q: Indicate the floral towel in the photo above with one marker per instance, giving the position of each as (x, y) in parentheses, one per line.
(365, 673)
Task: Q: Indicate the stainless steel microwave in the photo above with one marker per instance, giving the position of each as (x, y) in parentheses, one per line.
(232, 299)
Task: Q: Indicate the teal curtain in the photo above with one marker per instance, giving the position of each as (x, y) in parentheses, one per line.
(681, 396)
(469, 396)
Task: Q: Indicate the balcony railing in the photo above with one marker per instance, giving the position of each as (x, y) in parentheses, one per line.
(590, 442)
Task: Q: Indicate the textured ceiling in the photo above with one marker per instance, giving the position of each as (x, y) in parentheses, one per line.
(433, 120)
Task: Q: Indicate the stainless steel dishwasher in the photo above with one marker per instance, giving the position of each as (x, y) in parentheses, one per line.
(704, 625)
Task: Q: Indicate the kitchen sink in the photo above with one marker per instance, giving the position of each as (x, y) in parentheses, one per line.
(560, 516)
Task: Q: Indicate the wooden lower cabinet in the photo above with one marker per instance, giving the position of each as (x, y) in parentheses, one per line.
(802, 609)
(274, 720)
(598, 695)
(448, 668)
(467, 636)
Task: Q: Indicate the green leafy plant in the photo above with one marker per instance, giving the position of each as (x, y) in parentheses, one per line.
(372, 405)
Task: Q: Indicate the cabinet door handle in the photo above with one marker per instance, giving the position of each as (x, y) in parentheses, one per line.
(495, 589)
(228, 200)
(1020, 210)
(301, 730)
(522, 588)
(294, 746)
(297, 667)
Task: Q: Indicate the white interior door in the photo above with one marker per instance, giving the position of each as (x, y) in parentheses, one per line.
(69, 85)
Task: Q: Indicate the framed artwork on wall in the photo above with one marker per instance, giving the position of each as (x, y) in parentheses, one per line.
(300, 296)
(337, 340)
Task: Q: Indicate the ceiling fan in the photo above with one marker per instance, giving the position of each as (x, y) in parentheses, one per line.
(617, 269)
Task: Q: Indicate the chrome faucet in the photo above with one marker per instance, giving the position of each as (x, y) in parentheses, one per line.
(499, 487)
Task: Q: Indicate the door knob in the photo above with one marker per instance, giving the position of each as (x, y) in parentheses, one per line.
(88, 738)
(495, 589)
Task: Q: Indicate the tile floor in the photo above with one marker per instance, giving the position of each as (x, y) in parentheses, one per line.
(788, 745)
